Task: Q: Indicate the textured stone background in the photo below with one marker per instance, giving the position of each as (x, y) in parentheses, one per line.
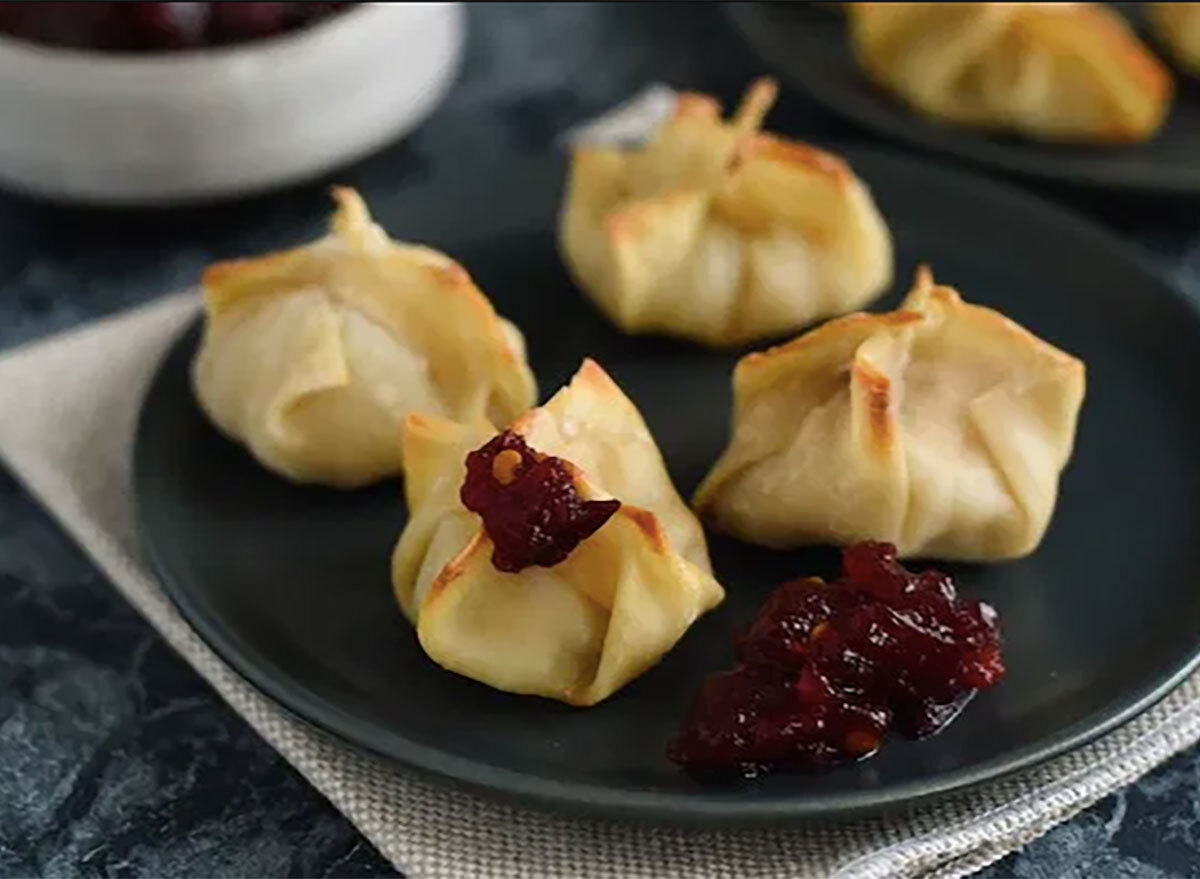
(115, 759)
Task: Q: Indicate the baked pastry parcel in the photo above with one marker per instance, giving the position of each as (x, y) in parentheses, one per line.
(720, 233)
(1177, 26)
(314, 356)
(554, 558)
(1048, 71)
(941, 427)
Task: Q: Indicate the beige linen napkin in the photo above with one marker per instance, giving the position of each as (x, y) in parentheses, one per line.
(67, 412)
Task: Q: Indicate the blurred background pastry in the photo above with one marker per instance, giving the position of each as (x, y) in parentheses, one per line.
(1177, 25)
(1058, 72)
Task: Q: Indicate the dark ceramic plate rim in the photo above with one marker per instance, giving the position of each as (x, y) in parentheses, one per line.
(983, 151)
(737, 807)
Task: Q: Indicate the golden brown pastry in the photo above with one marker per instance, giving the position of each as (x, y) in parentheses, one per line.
(313, 357)
(941, 427)
(1177, 25)
(716, 232)
(577, 625)
(1049, 71)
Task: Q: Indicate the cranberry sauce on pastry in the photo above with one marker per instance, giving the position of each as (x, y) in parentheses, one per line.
(554, 558)
(529, 504)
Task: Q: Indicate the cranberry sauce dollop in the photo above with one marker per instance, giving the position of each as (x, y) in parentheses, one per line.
(128, 26)
(826, 669)
(529, 504)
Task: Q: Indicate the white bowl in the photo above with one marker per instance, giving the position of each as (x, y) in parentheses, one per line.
(169, 127)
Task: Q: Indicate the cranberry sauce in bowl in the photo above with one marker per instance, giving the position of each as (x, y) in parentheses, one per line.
(148, 103)
(155, 27)
(826, 669)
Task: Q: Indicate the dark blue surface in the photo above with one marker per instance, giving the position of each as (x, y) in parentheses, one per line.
(115, 759)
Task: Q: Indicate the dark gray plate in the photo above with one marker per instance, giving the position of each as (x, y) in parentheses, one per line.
(290, 585)
(809, 48)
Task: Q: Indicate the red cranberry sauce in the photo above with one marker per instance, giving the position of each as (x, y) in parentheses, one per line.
(128, 26)
(825, 669)
(530, 507)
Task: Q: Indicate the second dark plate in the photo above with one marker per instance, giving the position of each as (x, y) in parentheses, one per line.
(290, 585)
(808, 46)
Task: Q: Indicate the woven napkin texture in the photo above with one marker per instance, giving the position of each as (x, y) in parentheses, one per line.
(68, 407)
